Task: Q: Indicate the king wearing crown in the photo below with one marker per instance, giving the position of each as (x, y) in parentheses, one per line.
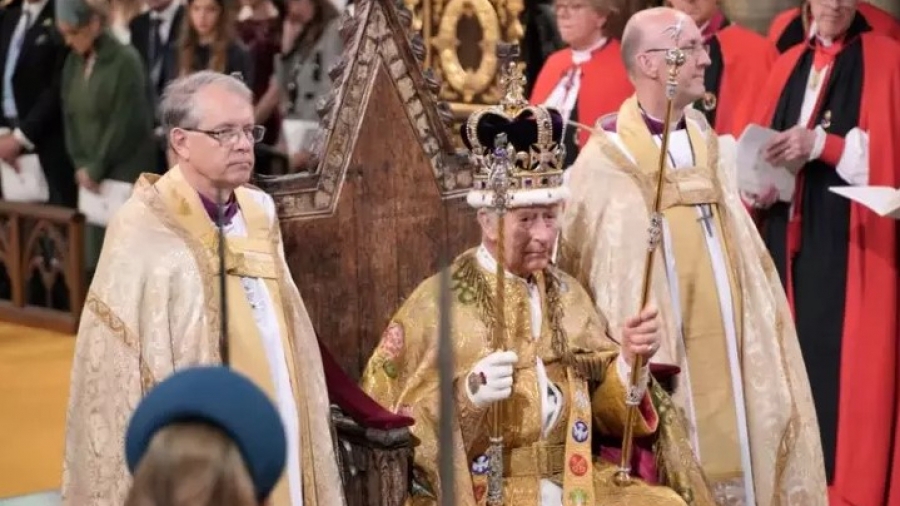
(540, 388)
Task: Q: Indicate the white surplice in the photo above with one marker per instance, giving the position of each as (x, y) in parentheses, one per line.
(267, 321)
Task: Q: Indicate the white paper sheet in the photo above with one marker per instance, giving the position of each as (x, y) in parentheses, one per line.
(298, 134)
(755, 175)
(882, 200)
(99, 208)
(26, 185)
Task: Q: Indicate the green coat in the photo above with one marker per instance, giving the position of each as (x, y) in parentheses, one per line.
(108, 122)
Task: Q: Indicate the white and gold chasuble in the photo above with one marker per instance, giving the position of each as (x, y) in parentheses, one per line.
(551, 416)
(154, 307)
(742, 386)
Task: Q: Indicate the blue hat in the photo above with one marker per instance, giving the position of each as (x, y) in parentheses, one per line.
(220, 397)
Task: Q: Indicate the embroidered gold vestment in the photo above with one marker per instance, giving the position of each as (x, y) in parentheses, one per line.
(604, 243)
(402, 375)
(154, 307)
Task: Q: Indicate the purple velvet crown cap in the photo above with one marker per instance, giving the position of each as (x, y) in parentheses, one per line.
(521, 131)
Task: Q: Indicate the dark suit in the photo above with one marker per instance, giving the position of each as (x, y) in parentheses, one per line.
(141, 40)
(36, 82)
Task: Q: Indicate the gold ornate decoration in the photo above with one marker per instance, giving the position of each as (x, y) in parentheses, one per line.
(465, 82)
(463, 57)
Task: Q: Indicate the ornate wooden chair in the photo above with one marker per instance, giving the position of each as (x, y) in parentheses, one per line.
(371, 219)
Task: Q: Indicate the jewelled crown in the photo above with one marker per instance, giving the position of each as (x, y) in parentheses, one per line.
(516, 146)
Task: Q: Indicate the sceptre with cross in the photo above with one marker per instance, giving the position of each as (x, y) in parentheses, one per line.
(675, 59)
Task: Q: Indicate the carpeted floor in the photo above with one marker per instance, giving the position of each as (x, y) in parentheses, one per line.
(34, 387)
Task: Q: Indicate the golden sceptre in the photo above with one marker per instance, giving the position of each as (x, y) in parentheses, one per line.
(674, 60)
(513, 102)
(499, 184)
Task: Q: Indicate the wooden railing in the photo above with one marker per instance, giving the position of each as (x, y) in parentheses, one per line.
(42, 282)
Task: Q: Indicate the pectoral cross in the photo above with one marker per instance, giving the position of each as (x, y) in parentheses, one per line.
(706, 217)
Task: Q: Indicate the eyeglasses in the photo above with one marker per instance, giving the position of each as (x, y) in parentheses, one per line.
(231, 136)
(688, 50)
(559, 7)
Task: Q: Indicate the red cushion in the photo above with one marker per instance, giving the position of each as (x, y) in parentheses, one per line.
(355, 403)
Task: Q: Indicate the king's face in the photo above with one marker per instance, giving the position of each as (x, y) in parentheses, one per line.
(531, 235)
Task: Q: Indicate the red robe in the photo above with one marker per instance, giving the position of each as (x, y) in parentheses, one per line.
(880, 20)
(604, 83)
(746, 58)
(868, 430)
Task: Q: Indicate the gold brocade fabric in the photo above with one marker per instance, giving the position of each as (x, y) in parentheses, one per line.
(153, 307)
(604, 244)
(402, 375)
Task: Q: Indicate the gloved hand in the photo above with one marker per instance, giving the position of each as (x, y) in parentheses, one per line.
(491, 379)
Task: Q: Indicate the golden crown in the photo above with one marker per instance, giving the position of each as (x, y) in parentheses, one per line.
(523, 142)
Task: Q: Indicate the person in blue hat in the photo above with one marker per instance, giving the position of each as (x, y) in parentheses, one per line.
(205, 436)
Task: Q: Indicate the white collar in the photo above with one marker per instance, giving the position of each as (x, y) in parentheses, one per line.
(168, 14)
(580, 56)
(674, 125)
(489, 263)
(246, 12)
(814, 33)
(34, 9)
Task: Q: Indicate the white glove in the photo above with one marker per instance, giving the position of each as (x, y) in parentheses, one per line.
(491, 379)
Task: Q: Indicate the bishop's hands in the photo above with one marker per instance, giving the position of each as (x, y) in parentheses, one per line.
(491, 379)
(641, 335)
(791, 148)
(762, 200)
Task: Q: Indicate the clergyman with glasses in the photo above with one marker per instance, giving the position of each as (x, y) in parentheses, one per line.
(154, 305)
(742, 385)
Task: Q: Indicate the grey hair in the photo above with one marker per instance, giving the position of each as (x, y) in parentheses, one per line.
(177, 109)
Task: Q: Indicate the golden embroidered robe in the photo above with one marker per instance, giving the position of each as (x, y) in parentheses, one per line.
(727, 322)
(402, 375)
(154, 307)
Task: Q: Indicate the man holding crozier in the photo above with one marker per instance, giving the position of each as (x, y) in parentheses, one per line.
(726, 324)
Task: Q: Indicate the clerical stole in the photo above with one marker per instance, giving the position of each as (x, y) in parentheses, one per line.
(251, 256)
(690, 245)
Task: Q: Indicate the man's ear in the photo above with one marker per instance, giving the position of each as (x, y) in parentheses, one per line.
(488, 222)
(178, 143)
(647, 65)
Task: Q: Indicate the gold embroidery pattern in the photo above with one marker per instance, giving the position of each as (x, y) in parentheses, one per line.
(472, 288)
(108, 317)
(676, 465)
(204, 258)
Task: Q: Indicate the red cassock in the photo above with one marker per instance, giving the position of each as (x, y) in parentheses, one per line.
(865, 442)
(740, 60)
(604, 84)
(788, 30)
